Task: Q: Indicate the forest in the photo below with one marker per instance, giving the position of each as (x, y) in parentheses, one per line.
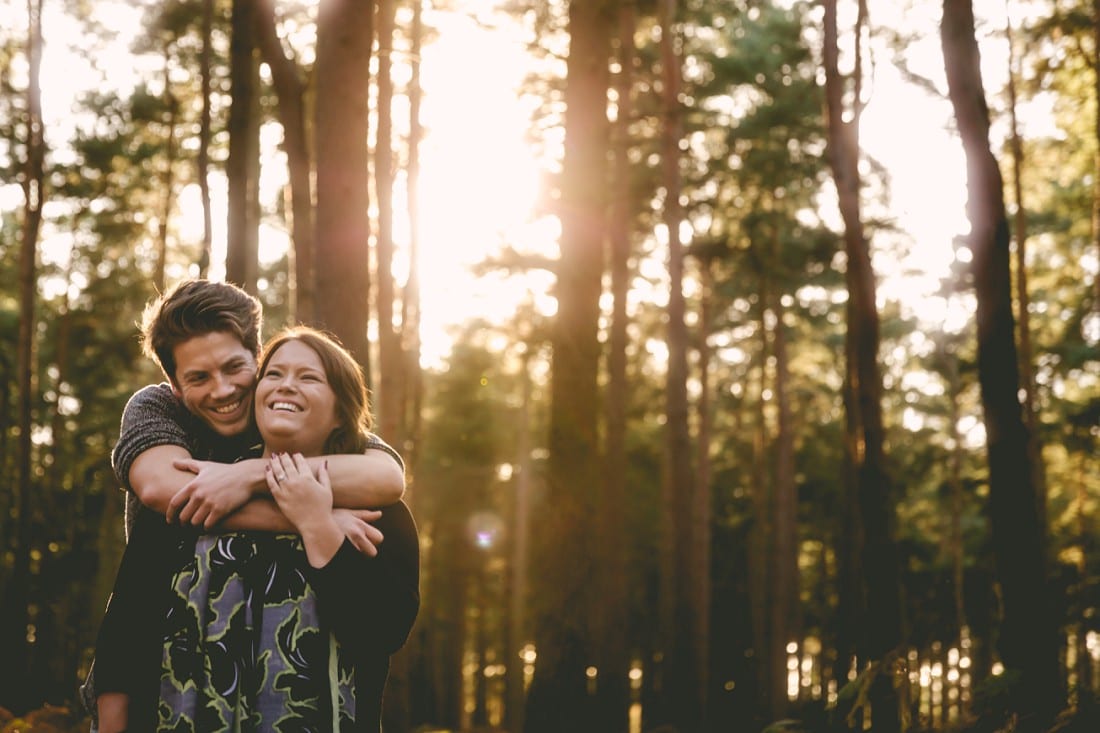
(768, 443)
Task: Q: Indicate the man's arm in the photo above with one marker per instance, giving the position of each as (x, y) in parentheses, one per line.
(367, 480)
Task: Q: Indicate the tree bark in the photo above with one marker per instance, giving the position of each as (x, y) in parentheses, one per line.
(881, 626)
(291, 110)
(410, 300)
(1023, 298)
(171, 105)
(558, 699)
(203, 160)
(388, 398)
(15, 684)
(784, 576)
(242, 259)
(1028, 638)
(685, 652)
(614, 662)
(341, 126)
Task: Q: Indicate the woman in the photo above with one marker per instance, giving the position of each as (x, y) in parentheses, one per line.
(292, 631)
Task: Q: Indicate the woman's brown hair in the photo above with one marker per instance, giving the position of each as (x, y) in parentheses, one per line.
(344, 376)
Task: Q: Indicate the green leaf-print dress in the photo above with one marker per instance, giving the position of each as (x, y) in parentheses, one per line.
(245, 649)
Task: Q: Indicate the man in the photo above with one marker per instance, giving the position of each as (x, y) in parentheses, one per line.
(176, 452)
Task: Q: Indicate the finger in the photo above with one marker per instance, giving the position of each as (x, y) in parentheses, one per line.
(187, 511)
(364, 545)
(277, 467)
(374, 534)
(272, 482)
(197, 517)
(212, 519)
(367, 515)
(186, 464)
(301, 465)
(173, 508)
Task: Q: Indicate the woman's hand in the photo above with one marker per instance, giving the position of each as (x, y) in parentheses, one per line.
(307, 502)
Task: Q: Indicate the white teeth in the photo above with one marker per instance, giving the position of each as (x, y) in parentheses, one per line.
(226, 409)
(285, 406)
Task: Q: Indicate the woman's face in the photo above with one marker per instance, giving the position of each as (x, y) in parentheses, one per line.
(295, 406)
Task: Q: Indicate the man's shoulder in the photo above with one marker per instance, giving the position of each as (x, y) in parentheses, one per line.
(153, 395)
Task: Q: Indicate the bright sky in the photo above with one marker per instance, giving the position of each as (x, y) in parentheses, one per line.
(479, 180)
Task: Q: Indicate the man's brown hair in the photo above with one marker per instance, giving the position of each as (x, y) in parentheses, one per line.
(195, 308)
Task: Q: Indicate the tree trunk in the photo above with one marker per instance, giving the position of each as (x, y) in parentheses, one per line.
(761, 536)
(685, 675)
(881, 627)
(341, 126)
(1023, 298)
(1096, 131)
(291, 110)
(613, 661)
(517, 611)
(1027, 639)
(410, 300)
(558, 699)
(784, 576)
(16, 687)
(388, 398)
(241, 260)
(169, 193)
(203, 162)
(701, 533)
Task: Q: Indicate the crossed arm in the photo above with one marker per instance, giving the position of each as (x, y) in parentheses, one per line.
(204, 493)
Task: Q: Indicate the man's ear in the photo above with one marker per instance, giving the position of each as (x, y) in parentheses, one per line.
(175, 388)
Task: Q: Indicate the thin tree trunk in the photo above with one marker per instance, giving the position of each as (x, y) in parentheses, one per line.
(203, 162)
(388, 398)
(954, 478)
(1028, 639)
(16, 691)
(685, 678)
(701, 496)
(341, 126)
(172, 109)
(291, 110)
(762, 534)
(410, 301)
(517, 616)
(784, 626)
(241, 261)
(1023, 298)
(881, 629)
(1096, 132)
(614, 662)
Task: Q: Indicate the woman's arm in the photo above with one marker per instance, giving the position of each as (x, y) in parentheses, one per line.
(372, 602)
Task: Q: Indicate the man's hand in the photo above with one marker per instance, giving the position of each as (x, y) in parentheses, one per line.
(355, 525)
(217, 490)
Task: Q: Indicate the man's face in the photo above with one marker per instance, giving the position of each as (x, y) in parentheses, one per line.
(214, 378)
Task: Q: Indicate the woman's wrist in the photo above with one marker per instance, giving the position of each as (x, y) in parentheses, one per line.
(322, 538)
